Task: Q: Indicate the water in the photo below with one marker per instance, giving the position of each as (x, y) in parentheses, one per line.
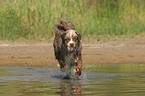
(96, 80)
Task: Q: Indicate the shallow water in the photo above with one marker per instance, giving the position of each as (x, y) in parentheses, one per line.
(96, 80)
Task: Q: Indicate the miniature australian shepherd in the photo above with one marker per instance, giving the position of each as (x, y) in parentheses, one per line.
(67, 47)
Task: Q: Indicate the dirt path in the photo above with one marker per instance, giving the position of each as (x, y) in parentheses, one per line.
(41, 53)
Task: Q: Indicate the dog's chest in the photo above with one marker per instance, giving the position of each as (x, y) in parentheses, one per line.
(69, 58)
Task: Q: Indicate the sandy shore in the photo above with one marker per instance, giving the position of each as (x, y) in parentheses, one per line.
(41, 53)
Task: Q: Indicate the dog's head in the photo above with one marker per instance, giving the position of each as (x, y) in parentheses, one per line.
(71, 40)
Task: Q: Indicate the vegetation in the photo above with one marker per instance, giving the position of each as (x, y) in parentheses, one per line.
(36, 19)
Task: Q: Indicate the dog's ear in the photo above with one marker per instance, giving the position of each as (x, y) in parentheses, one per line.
(63, 35)
(78, 35)
(60, 27)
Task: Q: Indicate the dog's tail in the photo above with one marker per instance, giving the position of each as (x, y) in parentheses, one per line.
(65, 25)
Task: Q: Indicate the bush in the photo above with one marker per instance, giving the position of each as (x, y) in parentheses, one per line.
(36, 19)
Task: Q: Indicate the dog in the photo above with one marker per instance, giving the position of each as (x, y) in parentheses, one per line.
(67, 47)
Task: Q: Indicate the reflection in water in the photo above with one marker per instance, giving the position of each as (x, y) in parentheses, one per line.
(70, 88)
(96, 80)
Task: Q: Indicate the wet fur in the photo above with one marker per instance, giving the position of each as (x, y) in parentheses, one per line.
(65, 58)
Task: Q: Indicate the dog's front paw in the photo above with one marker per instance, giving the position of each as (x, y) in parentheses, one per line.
(77, 72)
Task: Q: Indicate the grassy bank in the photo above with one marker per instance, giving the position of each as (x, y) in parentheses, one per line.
(36, 19)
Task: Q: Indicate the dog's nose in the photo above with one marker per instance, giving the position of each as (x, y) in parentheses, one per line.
(71, 44)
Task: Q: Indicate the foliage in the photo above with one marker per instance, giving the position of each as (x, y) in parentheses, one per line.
(36, 19)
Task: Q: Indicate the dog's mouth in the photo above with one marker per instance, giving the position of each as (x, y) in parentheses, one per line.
(71, 49)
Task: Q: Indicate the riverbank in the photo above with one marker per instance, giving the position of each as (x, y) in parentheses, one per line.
(119, 51)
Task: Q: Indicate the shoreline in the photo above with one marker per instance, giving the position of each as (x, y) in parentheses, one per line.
(121, 51)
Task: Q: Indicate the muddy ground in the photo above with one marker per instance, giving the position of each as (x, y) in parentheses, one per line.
(103, 52)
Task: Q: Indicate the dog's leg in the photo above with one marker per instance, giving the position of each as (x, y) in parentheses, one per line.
(78, 69)
(68, 69)
(62, 65)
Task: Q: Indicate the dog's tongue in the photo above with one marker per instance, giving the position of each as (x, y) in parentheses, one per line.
(71, 49)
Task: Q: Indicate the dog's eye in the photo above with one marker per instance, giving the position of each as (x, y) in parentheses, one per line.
(74, 39)
(67, 39)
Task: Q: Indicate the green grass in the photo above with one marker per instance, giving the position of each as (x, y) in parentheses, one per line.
(36, 19)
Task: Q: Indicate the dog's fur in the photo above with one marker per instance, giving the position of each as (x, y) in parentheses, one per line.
(67, 46)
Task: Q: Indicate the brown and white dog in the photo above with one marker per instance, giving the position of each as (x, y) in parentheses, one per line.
(67, 47)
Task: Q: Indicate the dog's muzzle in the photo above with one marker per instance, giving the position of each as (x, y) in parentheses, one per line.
(71, 47)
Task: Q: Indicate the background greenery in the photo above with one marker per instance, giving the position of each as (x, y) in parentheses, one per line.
(36, 19)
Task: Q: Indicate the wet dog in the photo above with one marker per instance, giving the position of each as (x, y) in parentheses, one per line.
(67, 47)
